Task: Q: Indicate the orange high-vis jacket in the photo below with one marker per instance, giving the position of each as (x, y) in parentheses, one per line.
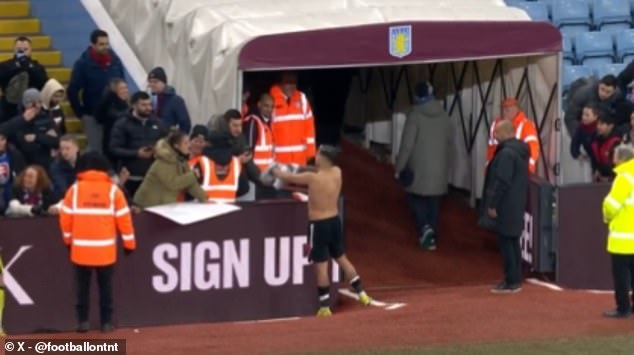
(221, 190)
(93, 212)
(293, 127)
(263, 155)
(525, 131)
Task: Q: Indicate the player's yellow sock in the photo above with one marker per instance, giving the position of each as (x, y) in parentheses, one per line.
(1, 311)
(324, 312)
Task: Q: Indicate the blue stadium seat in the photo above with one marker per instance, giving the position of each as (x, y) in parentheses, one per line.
(571, 16)
(569, 54)
(625, 46)
(514, 2)
(594, 48)
(602, 70)
(574, 72)
(613, 14)
(537, 11)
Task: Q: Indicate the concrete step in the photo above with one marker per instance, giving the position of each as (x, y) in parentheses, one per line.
(51, 57)
(74, 125)
(19, 26)
(7, 43)
(14, 9)
(62, 74)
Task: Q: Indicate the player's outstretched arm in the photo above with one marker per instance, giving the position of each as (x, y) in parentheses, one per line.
(293, 178)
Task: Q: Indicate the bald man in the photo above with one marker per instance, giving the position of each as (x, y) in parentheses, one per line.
(257, 129)
(504, 201)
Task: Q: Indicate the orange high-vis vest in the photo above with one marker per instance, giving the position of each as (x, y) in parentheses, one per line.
(263, 155)
(293, 127)
(225, 190)
(524, 131)
(93, 212)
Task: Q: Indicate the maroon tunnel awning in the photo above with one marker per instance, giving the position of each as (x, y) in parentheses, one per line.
(370, 44)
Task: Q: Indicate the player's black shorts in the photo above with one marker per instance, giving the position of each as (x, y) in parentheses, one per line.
(325, 237)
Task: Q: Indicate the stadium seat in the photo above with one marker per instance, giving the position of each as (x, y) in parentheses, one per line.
(625, 46)
(569, 54)
(514, 2)
(574, 72)
(613, 14)
(571, 16)
(594, 48)
(537, 11)
(602, 70)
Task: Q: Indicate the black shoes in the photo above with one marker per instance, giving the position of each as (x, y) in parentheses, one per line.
(503, 287)
(616, 314)
(83, 327)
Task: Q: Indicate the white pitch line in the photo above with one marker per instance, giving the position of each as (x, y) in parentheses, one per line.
(545, 284)
(375, 303)
(273, 320)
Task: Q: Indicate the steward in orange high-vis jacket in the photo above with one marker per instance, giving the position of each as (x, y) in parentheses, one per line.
(293, 124)
(525, 131)
(93, 212)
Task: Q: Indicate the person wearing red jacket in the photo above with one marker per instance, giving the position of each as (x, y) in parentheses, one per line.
(525, 131)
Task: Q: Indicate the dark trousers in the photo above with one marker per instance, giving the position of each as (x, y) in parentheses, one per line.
(83, 275)
(425, 211)
(511, 259)
(623, 275)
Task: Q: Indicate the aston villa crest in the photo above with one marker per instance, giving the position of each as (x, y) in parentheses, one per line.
(400, 41)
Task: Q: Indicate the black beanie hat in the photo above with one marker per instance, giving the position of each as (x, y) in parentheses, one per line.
(158, 73)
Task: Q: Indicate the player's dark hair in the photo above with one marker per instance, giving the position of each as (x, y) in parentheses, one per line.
(329, 152)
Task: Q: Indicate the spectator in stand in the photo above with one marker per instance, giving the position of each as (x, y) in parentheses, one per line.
(246, 95)
(134, 137)
(504, 202)
(64, 168)
(603, 145)
(525, 130)
(425, 152)
(605, 94)
(168, 106)
(629, 97)
(11, 165)
(629, 136)
(35, 137)
(231, 127)
(18, 74)
(293, 123)
(198, 162)
(257, 127)
(90, 77)
(619, 215)
(585, 133)
(170, 175)
(111, 108)
(52, 96)
(32, 194)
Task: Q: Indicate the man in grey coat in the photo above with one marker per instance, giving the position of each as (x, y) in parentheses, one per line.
(424, 160)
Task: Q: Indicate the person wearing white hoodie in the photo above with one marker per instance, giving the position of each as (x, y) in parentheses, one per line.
(53, 94)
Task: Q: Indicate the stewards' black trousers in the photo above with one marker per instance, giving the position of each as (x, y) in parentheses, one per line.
(83, 275)
(623, 275)
(511, 259)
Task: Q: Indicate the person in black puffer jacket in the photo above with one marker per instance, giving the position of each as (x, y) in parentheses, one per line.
(110, 109)
(133, 139)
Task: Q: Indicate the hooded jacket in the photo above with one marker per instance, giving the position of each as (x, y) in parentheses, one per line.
(55, 113)
(506, 187)
(425, 149)
(172, 111)
(167, 178)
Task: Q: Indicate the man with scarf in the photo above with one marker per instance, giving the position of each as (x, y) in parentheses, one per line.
(91, 74)
(423, 161)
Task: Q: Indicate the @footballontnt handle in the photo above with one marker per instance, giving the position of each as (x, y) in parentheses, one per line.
(81, 346)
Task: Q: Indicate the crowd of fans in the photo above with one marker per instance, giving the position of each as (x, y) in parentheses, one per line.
(599, 117)
(156, 155)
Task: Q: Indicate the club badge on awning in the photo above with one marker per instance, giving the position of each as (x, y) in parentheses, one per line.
(400, 41)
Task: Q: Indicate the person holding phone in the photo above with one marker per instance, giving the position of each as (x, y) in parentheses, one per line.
(133, 139)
